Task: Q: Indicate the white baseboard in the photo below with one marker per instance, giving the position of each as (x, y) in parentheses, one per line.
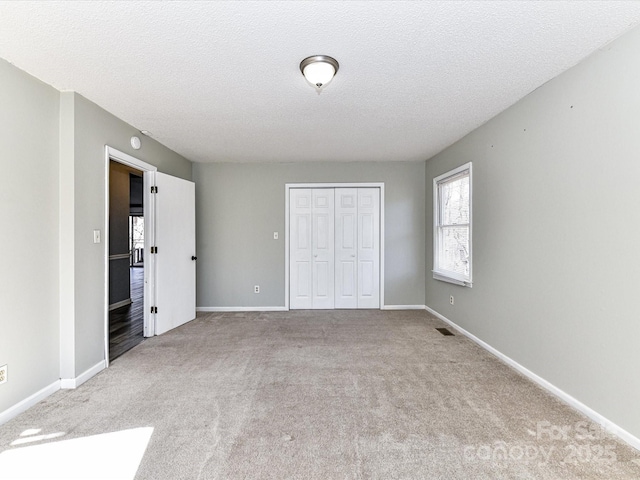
(242, 309)
(83, 377)
(561, 394)
(28, 402)
(402, 307)
(285, 309)
(122, 303)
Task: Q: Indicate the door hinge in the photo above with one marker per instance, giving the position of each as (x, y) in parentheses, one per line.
(154, 249)
(154, 309)
(154, 189)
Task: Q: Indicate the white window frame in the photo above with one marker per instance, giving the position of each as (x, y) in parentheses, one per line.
(439, 274)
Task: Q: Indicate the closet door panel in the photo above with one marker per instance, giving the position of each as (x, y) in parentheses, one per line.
(323, 260)
(300, 249)
(368, 253)
(346, 247)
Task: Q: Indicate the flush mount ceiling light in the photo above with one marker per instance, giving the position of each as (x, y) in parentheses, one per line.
(319, 70)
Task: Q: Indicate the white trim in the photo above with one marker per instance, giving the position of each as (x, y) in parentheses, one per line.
(83, 377)
(120, 256)
(242, 309)
(111, 153)
(121, 303)
(450, 279)
(289, 186)
(335, 185)
(28, 402)
(561, 394)
(443, 275)
(403, 307)
(382, 251)
(149, 199)
(287, 214)
(128, 160)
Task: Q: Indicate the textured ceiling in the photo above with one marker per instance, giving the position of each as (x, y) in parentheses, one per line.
(219, 81)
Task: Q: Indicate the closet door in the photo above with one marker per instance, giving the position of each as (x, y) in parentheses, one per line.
(322, 232)
(300, 249)
(368, 253)
(346, 248)
(334, 248)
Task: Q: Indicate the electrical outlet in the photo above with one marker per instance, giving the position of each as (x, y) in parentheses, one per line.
(3, 374)
(256, 289)
(451, 299)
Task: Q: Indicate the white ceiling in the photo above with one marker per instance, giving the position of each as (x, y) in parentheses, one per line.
(220, 81)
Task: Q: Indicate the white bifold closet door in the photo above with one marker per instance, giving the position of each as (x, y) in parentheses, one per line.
(334, 247)
(357, 248)
(322, 234)
(311, 254)
(346, 248)
(368, 248)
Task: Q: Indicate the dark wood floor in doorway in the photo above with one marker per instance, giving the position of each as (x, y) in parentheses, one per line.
(126, 323)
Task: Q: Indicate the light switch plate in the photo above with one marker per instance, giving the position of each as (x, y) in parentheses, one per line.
(275, 235)
(96, 236)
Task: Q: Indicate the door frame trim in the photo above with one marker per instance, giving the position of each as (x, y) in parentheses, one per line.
(111, 153)
(289, 186)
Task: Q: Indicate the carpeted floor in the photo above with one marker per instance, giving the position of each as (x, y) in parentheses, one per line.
(324, 395)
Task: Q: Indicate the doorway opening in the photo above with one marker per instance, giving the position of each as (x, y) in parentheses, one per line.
(135, 213)
(126, 259)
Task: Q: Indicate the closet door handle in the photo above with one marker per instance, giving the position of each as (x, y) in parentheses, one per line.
(193, 257)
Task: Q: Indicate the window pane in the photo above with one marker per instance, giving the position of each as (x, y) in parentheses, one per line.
(454, 250)
(454, 198)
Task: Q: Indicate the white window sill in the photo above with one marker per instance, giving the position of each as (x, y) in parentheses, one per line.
(443, 277)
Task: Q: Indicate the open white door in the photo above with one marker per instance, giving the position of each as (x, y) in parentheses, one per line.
(175, 241)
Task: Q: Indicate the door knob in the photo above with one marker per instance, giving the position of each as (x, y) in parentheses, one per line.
(193, 257)
(353, 254)
(316, 255)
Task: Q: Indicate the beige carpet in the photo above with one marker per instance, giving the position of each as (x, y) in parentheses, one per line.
(324, 395)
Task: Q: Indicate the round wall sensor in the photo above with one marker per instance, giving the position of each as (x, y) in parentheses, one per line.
(135, 143)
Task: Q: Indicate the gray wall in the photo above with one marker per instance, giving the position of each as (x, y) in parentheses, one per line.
(239, 206)
(29, 335)
(94, 128)
(52, 197)
(555, 205)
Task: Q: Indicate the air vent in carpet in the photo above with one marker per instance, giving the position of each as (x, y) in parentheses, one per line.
(444, 331)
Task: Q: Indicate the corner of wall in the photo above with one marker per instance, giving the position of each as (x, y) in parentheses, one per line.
(67, 233)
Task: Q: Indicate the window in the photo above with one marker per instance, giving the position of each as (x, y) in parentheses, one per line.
(136, 240)
(452, 226)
